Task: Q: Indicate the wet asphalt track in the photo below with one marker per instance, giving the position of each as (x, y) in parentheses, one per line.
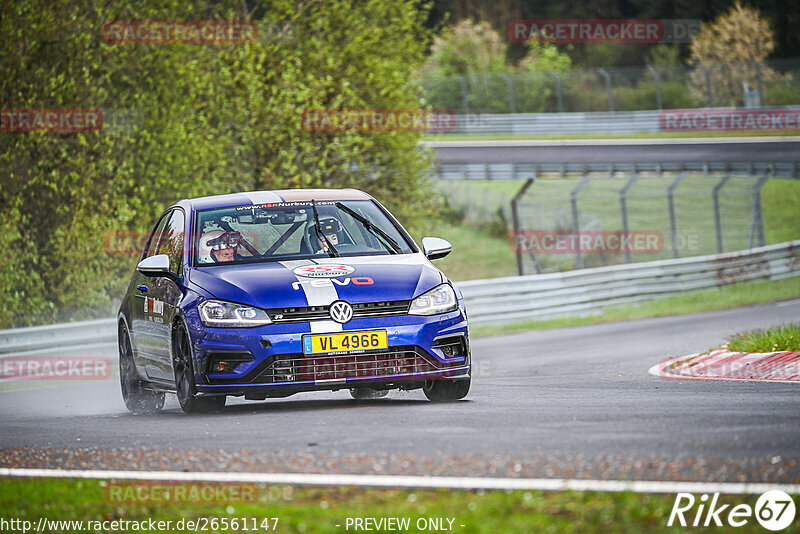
(566, 402)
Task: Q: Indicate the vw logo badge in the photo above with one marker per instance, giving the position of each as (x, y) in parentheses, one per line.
(341, 311)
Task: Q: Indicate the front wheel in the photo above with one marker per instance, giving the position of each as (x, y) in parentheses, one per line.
(447, 390)
(184, 378)
(138, 399)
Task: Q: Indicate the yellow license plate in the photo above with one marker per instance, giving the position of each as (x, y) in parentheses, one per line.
(324, 343)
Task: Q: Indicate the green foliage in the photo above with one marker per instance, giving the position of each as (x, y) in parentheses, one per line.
(542, 57)
(784, 337)
(477, 53)
(201, 120)
(662, 55)
(729, 47)
(466, 48)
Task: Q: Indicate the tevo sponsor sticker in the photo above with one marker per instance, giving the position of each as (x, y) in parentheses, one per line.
(323, 271)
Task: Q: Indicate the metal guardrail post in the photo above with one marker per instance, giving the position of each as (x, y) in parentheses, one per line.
(512, 107)
(657, 78)
(672, 222)
(624, 207)
(559, 96)
(757, 220)
(717, 220)
(708, 84)
(760, 84)
(607, 77)
(573, 199)
(515, 217)
(464, 93)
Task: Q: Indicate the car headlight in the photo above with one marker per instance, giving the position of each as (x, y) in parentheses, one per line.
(228, 314)
(440, 299)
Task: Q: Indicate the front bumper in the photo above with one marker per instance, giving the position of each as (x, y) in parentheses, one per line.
(269, 360)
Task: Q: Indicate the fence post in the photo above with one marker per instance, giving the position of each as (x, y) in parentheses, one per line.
(512, 107)
(624, 206)
(558, 90)
(573, 199)
(654, 72)
(760, 84)
(607, 77)
(464, 93)
(757, 221)
(708, 84)
(470, 205)
(515, 217)
(717, 220)
(672, 222)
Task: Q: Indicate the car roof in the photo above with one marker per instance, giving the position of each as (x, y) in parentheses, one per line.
(265, 197)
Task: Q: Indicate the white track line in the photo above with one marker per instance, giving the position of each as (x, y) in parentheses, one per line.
(389, 481)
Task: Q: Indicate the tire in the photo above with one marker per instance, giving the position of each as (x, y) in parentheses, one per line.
(185, 386)
(138, 399)
(447, 390)
(368, 393)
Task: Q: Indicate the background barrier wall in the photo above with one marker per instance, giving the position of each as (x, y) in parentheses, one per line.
(505, 300)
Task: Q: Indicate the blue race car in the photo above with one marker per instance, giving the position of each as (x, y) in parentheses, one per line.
(270, 293)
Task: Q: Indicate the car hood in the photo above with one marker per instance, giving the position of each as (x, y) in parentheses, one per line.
(320, 282)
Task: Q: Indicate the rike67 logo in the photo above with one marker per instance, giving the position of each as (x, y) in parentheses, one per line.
(774, 510)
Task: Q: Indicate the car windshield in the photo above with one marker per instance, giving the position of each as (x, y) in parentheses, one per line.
(292, 230)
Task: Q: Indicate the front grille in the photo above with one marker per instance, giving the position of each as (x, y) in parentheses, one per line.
(315, 313)
(396, 361)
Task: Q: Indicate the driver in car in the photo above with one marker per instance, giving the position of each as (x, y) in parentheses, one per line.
(219, 247)
(330, 227)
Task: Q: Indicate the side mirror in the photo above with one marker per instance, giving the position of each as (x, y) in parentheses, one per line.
(155, 266)
(435, 247)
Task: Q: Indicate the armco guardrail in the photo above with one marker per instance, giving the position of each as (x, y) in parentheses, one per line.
(62, 335)
(540, 296)
(598, 122)
(580, 292)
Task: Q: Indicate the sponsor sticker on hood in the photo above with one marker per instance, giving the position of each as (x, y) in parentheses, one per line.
(323, 271)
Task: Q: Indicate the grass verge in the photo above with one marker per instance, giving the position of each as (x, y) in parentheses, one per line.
(722, 298)
(785, 337)
(311, 510)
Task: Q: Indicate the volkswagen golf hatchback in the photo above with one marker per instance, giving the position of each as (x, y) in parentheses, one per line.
(271, 293)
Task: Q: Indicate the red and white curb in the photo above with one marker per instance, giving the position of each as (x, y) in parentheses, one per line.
(723, 364)
(415, 482)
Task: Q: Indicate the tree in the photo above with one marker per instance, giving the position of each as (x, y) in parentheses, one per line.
(204, 119)
(732, 47)
(467, 48)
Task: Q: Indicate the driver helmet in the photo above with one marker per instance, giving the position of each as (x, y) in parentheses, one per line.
(216, 240)
(327, 226)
